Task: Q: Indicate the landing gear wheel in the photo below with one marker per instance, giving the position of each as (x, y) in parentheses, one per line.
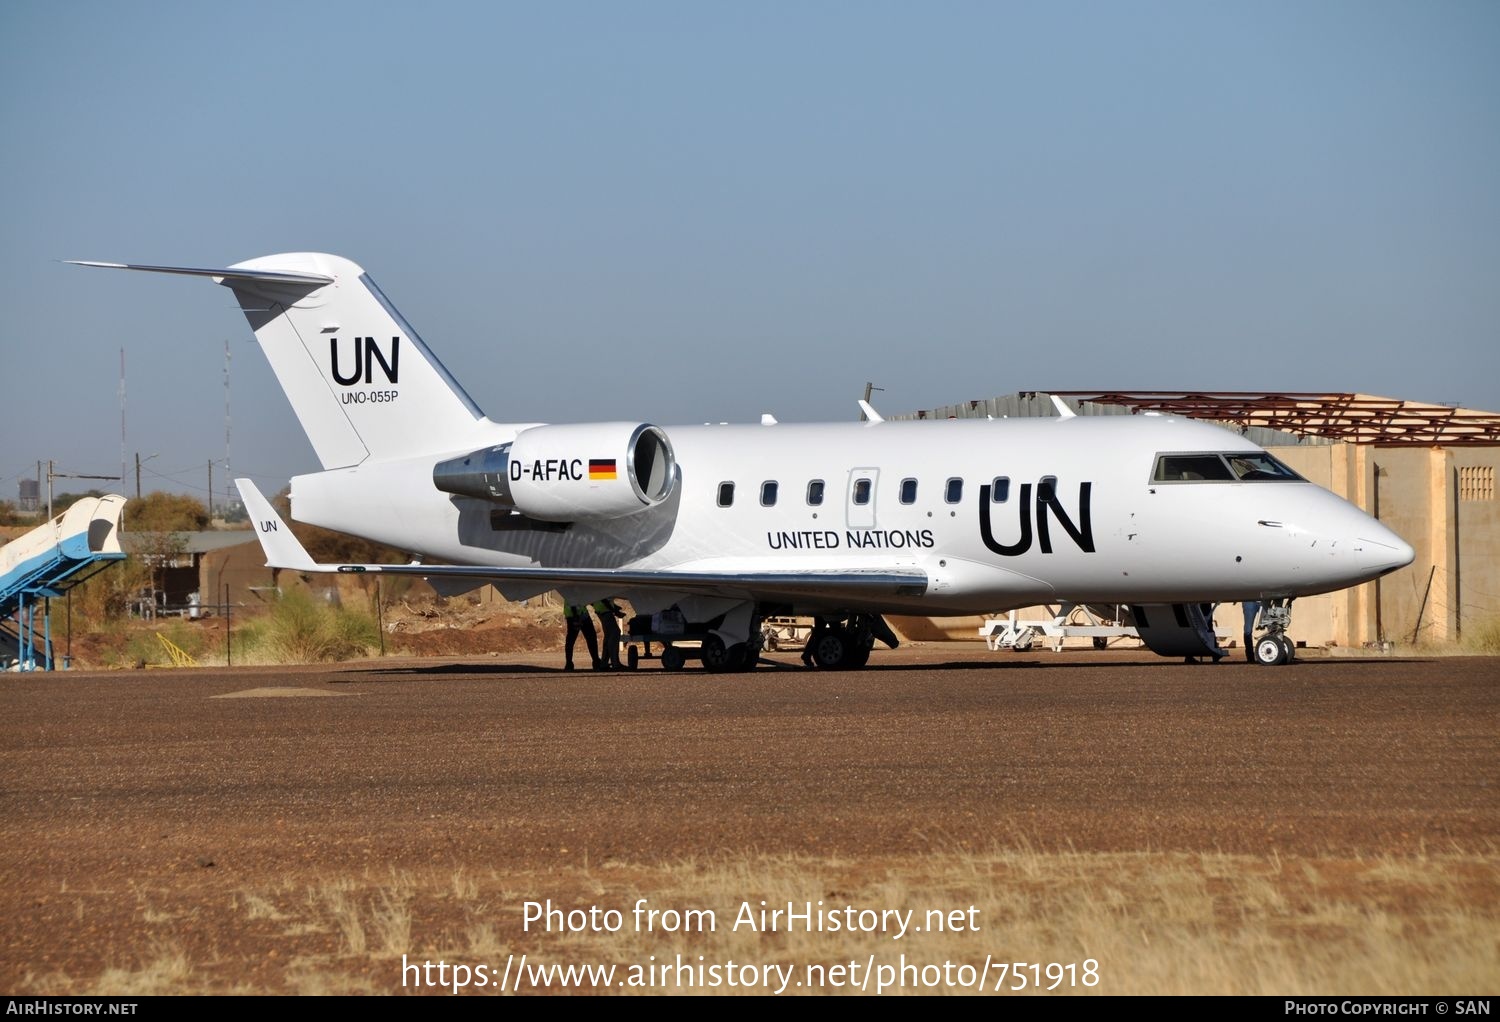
(1288, 645)
(831, 651)
(1269, 652)
(752, 657)
(672, 659)
(719, 658)
(861, 642)
(632, 658)
(859, 655)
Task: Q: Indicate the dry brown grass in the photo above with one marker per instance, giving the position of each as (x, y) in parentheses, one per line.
(1156, 923)
(1480, 637)
(164, 974)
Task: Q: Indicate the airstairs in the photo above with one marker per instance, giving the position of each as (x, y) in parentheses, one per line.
(43, 565)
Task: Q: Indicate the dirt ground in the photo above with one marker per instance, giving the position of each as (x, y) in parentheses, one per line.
(216, 818)
(419, 624)
(420, 628)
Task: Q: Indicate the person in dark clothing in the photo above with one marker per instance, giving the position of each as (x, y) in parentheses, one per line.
(609, 624)
(1252, 610)
(577, 617)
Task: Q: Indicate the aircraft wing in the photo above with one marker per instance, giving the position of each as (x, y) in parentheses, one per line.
(284, 550)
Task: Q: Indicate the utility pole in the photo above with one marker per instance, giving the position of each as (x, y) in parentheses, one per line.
(870, 388)
(138, 463)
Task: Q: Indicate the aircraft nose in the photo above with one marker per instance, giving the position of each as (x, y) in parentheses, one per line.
(1362, 548)
(1382, 551)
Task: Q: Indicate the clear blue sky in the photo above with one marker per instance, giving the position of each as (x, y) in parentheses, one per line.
(679, 212)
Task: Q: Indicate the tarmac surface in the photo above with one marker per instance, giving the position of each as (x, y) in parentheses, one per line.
(156, 779)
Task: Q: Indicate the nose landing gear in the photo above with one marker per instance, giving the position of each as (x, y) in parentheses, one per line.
(1275, 648)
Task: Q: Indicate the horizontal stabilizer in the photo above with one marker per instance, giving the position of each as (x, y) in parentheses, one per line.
(283, 550)
(263, 276)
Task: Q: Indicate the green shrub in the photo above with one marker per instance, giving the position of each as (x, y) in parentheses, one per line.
(300, 630)
(143, 649)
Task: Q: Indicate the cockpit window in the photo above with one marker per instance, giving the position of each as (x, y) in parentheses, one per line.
(1260, 467)
(1184, 468)
(1235, 466)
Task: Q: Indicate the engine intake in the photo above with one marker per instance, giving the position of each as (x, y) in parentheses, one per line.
(568, 473)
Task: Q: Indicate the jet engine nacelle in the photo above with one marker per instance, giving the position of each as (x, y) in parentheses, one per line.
(568, 473)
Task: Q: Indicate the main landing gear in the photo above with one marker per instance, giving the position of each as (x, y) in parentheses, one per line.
(719, 658)
(844, 643)
(1274, 648)
(838, 642)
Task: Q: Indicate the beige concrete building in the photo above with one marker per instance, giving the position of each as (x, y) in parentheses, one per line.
(1426, 471)
(1441, 500)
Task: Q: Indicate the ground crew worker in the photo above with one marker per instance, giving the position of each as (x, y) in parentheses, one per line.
(1201, 616)
(609, 624)
(1251, 609)
(577, 617)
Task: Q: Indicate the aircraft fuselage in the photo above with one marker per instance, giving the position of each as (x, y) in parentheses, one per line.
(998, 513)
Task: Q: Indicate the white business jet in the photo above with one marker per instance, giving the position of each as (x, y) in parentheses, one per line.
(727, 524)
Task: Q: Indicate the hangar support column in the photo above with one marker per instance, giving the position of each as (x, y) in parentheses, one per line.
(1352, 476)
(1440, 618)
(1363, 626)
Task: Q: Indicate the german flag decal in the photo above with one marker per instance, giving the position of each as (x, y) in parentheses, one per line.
(601, 468)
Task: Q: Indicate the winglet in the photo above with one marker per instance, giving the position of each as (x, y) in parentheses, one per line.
(871, 415)
(1063, 410)
(283, 550)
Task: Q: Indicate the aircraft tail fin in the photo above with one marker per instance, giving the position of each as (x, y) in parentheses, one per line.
(361, 382)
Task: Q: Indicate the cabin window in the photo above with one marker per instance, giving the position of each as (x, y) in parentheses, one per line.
(1000, 489)
(726, 494)
(908, 491)
(1047, 488)
(953, 493)
(768, 493)
(861, 491)
(815, 493)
